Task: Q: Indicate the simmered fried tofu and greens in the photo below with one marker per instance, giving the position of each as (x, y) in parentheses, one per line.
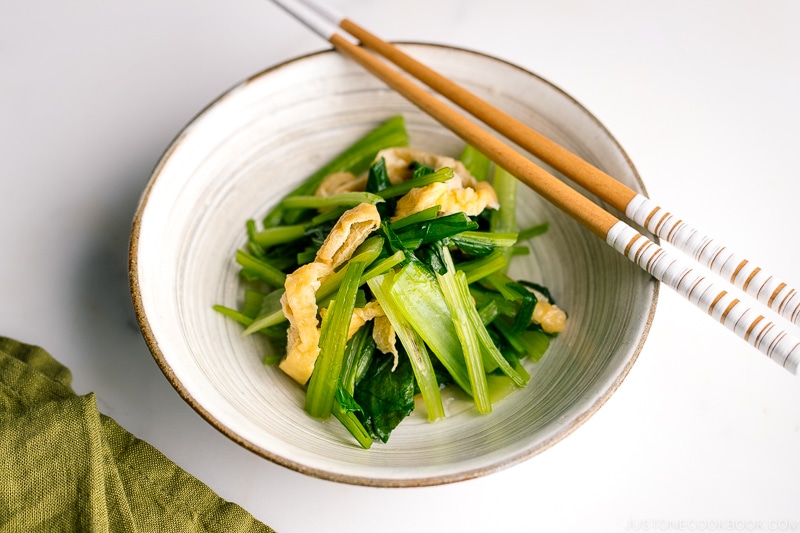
(384, 277)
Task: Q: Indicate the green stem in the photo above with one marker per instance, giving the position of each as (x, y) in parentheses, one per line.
(325, 378)
(351, 422)
(458, 303)
(269, 237)
(345, 199)
(483, 267)
(356, 159)
(443, 174)
(419, 298)
(413, 344)
(260, 269)
(478, 164)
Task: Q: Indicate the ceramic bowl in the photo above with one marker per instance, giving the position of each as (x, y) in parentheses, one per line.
(253, 145)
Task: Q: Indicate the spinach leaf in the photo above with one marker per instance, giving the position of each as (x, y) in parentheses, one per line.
(386, 397)
(539, 288)
(437, 229)
(378, 177)
(377, 181)
(420, 169)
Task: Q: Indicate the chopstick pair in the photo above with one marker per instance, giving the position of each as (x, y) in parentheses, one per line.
(740, 318)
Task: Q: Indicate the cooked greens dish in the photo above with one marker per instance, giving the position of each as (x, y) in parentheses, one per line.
(384, 276)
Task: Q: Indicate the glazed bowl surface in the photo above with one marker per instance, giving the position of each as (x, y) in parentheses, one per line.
(252, 146)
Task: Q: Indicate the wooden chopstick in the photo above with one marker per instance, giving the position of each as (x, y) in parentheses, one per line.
(740, 318)
(756, 281)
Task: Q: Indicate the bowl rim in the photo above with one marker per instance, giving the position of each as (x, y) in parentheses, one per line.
(172, 378)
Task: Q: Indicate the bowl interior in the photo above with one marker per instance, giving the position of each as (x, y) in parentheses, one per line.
(252, 146)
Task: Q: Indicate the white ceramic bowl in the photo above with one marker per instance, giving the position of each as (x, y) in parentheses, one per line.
(248, 149)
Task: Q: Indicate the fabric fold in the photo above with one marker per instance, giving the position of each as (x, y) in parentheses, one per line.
(65, 466)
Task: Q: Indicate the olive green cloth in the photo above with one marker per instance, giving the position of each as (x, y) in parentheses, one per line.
(66, 467)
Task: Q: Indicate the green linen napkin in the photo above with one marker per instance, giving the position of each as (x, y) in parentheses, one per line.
(66, 467)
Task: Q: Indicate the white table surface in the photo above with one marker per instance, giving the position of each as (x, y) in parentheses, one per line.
(704, 434)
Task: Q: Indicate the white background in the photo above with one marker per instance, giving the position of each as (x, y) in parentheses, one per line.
(703, 95)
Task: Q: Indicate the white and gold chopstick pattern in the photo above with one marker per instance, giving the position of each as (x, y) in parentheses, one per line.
(724, 307)
(765, 287)
(779, 345)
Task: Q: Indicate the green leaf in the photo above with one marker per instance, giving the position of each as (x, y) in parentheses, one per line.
(419, 170)
(270, 313)
(437, 229)
(385, 396)
(358, 354)
(420, 216)
(417, 295)
(483, 267)
(481, 243)
(378, 177)
(531, 342)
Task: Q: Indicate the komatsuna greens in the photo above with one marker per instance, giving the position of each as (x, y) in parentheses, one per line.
(384, 277)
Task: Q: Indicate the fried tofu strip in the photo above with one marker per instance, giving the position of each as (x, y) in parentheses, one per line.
(352, 228)
(450, 196)
(340, 182)
(299, 304)
(299, 301)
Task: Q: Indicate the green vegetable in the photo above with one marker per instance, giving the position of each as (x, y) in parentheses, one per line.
(345, 199)
(534, 231)
(325, 379)
(260, 269)
(480, 243)
(420, 216)
(458, 293)
(477, 269)
(478, 164)
(346, 410)
(358, 355)
(355, 159)
(417, 295)
(458, 303)
(413, 344)
(378, 177)
(400, 189)
(269, 237)
(366, 253)
(234, 314)
(440, 281)
(424, 232)
(530, 342)
(504, 219)
(270, 313)
(385, 395)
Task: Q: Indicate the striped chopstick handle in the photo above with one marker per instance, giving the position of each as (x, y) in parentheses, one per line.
(762, 285)
(778, 345)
